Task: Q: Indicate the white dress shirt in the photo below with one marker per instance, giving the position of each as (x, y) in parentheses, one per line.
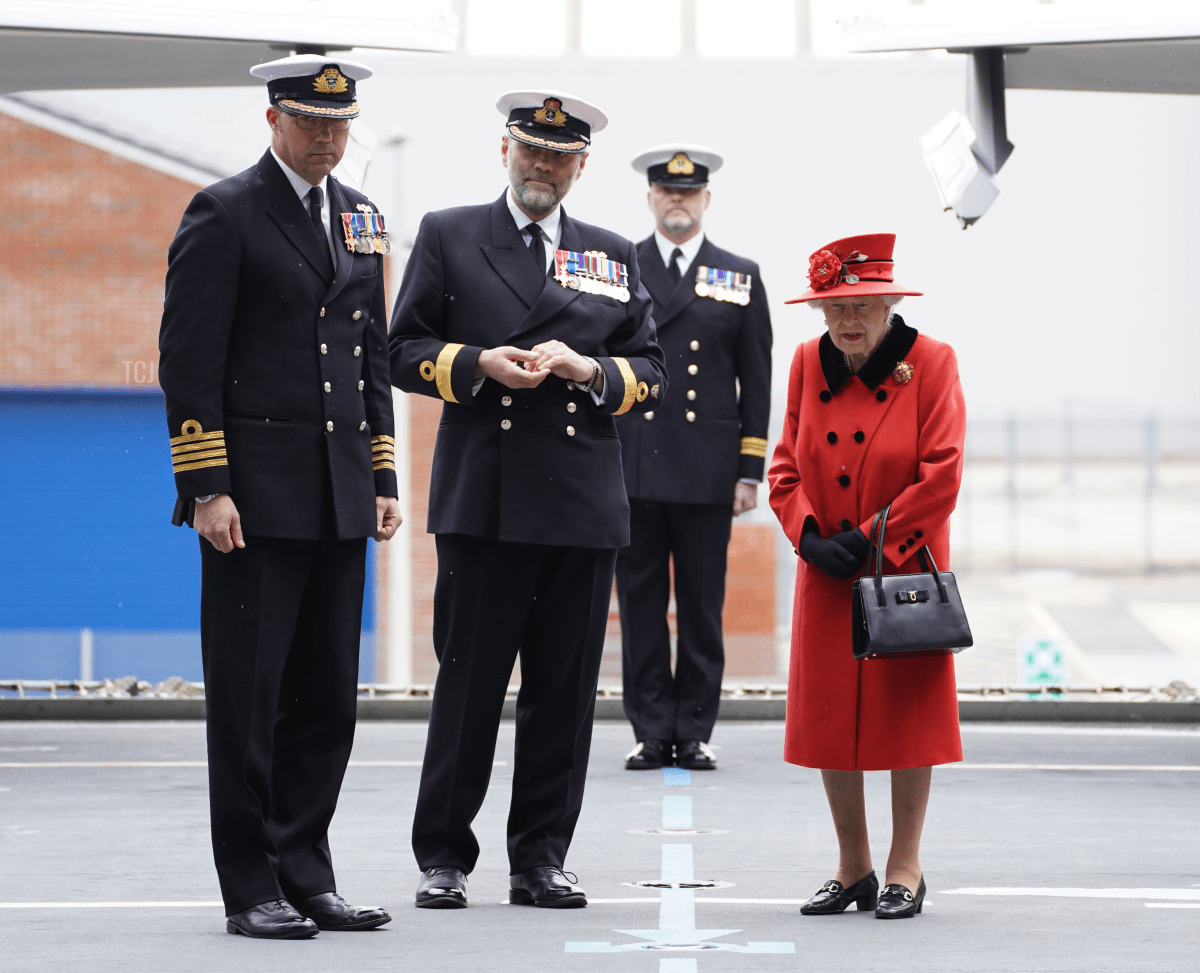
(550, 224)
(690, 249)
(303, 187)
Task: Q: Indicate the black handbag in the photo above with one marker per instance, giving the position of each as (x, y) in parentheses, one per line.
(906, 614)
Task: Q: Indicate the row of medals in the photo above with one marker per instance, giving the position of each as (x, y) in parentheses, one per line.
(589, 285)
(372, 244)
(727, 294)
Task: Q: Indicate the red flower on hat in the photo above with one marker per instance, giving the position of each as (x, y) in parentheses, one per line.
(824, 269)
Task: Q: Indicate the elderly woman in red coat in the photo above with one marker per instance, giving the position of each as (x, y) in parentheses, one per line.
(875, 416)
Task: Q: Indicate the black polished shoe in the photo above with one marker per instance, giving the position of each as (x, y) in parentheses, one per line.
(649, 755)
(330, 911)
(271, 920)
(694, 755)
(897, 902)
(442, 887)
(547, 887)
(834, 897)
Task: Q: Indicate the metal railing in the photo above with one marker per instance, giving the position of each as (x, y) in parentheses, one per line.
(176, 688)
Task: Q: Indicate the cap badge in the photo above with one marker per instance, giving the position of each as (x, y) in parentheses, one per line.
(331, 81)
(592, 273)
(681, 165)
(551, 113)
(723, 285)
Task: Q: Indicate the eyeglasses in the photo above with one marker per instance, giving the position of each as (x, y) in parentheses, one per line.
(306, 123)
(839, 309)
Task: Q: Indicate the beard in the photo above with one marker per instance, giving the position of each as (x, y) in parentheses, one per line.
(678, 221)
(539, 200)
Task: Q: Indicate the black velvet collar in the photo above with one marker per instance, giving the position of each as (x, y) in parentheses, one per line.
(887, 356)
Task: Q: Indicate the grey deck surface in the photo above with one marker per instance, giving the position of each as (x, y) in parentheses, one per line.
(129, 834)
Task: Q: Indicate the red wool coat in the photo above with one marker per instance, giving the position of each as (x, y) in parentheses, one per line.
(850, 445)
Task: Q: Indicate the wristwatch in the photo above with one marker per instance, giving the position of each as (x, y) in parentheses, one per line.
(211, 496)
(590, 384)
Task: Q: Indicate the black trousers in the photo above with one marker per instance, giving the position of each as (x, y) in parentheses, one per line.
(682, 706)
(279, 630)
(494, 599)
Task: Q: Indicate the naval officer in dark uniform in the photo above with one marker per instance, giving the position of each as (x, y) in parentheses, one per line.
(274, 363)
(691, 465)
(535, 331)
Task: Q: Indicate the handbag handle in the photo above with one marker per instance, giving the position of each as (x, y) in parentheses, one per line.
(924, 558)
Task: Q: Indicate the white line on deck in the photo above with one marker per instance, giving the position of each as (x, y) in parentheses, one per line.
(1164, 768)
(111, 905)
(103, 764)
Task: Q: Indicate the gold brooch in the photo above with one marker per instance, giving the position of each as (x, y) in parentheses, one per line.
(902, 373)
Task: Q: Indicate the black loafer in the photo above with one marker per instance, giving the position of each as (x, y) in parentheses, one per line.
(442, 887)
(330, 911)
(834, 897)
(271, 920)
(694, 755)
(897, 902)
(547, 887)
(649, 755)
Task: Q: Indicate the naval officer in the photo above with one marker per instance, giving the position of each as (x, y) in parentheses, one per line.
(691, 465)
(274, 363)
(535, 331)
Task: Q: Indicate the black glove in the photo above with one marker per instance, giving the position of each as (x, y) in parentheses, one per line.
(854, 541)
(835, 556)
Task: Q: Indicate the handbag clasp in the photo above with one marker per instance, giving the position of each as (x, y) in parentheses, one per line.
(911, 597)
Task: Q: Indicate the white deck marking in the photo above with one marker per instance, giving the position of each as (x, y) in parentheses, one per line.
(111, 905)
(1172, 905)
(1069, 893)
(1152, 768)
(105, 764)
(676, 906)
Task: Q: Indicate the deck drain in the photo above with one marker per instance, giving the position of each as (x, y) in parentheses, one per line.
(681, 946)
(658, 883)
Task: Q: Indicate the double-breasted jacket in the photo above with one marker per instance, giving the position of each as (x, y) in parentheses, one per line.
(539, 465)
(852, 444)
(273, 358)
(713, 431)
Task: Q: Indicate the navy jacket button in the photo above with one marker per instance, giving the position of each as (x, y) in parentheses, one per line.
(832, 437)
(844, 480)
(846, 525)
(826, 395)
(859, 436)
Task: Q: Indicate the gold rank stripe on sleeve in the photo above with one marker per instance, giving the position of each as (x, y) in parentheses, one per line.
(383, 453)
(441, 371)
(631, 386)
(196, 449)
(753, 446)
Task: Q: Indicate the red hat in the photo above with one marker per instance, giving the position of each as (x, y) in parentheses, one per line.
(853, 265)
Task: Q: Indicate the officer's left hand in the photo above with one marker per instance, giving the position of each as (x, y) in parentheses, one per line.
(558, 359)
(745, 497)
(387, 518)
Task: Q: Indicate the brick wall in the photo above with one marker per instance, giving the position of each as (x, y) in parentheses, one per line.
(83, 261)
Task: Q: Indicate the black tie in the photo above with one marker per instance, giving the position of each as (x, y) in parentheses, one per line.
(536, 247)
(673, 265)
(314, 210)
